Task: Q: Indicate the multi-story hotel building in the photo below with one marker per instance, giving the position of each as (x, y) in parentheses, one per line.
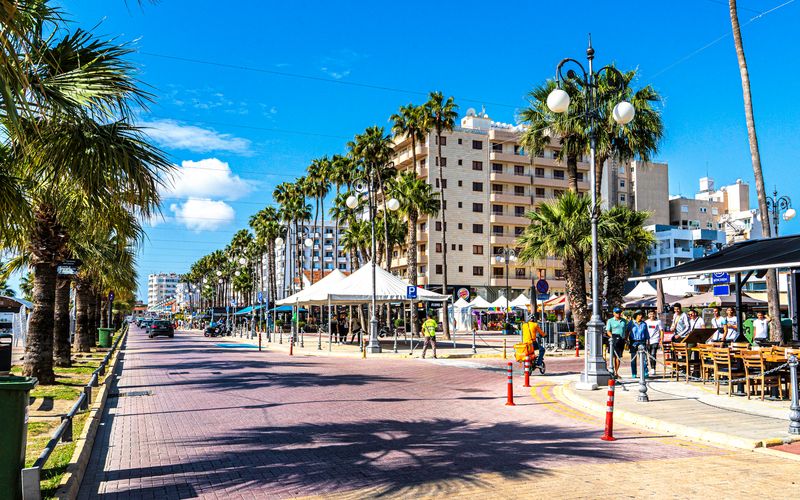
(490, 183)
(161, 287)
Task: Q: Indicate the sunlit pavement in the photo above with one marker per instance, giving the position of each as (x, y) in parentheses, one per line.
(197, 417)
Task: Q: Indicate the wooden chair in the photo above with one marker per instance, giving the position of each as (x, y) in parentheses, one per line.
(706, 362)
(670, 362)
(755, 368)
(740, 346)
(724, 367)
(684, 360)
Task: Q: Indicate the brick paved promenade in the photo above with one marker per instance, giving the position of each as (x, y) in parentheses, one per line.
(194, 419)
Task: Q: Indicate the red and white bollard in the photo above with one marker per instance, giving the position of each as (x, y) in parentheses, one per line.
(291, 346)
(259, 341)
(510, 398)
(527, 366)
(608, 435)
(577, 347)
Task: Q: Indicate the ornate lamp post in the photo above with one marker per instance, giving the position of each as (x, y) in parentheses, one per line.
(775, 205)
(595, 371)
(369, 188)
(508, 255)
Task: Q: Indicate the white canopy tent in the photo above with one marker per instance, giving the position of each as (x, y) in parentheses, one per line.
(521, 301)
(388, 288)
(640, 291)
(502, 303)
(461, 314)
(480, 303)
(316, 294)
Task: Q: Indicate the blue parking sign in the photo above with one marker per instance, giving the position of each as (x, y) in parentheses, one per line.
(411, 292)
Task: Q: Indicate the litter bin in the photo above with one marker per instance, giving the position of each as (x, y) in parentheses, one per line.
(6, 342)
(14, 425)
(104, 336)
(748, 330)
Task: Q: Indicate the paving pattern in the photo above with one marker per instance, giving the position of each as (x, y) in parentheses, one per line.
(194, 419)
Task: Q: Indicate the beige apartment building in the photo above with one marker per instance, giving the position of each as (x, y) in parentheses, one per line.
(490, 183)
(638, 185)
(723, 209)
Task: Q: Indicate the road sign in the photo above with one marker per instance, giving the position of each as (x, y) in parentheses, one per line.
(233, 302)
(542, 286)
(722, 290)
(411, 292)
(720, 278)
(68, 267)
(542, 297)
(463, 293)
(260, 297)
(111, 296)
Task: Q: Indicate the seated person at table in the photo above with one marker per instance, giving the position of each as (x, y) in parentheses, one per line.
(760, 328)
(680, 323)
(731, 326)
(717, 322)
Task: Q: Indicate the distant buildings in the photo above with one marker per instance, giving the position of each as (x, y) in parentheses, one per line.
(161, 288)
(675, 246)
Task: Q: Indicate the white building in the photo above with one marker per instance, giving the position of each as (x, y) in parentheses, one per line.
(675, 246)
(325, 256)
(185, 297)
(161, 287)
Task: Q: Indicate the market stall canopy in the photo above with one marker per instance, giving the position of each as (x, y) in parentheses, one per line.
(479, 303)
(502, 303)
(521, 301)
(316, 293)
(652, 302)
(248, 309)
(640, 291)
(389, 288)
(460, 304)
(555, 303)
(286, 309)
(709, 298)
(745, 256)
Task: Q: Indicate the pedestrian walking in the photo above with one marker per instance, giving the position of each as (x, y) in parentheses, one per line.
(656, 333)
(429, 331)
(615, 329)
(639, 336)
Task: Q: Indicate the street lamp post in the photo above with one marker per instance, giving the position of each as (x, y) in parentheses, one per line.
(369, 188)
(595, 371)
(776, 204)
(505, 257)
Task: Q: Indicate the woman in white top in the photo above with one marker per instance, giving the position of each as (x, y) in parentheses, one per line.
(731, 326)
(656, 337)
(718, 322)
(760, 328)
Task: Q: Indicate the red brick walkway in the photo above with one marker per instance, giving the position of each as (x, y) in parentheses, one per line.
(195, 419)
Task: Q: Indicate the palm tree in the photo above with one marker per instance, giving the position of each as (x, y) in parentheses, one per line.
(416, 198)
(440, 115)
(624, 244)
(410, 122)
(341, 175)
(561, 228)
(267, 228)
(318, 185)
(773, 299)
(5, 288)
(26, 286)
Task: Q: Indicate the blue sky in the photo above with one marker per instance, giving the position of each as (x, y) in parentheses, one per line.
(245, 126)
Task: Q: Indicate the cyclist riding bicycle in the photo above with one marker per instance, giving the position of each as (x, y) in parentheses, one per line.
(532, 334)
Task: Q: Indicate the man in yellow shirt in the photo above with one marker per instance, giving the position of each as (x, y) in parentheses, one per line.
(429, 332)
(531, 333)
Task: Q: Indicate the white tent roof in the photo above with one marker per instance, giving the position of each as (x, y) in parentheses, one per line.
(677, 286)
(502, 303)
(460, 304)
(480, 303)
(643, 289)
(316, 293)
(520, 301)
(389, 288)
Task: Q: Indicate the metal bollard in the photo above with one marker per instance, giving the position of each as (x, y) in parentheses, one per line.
(577, 347)
(291, 347)
(302, 336)
(363, 347)
(642, 368)
(474, 350)
(608, 434)
(259, 341)
(527, 367)
(88, 400)
(66, 436)
(505, 356)
(319, 341)
(794, 409)
(280, 337)
(510, 395)
(395, 341)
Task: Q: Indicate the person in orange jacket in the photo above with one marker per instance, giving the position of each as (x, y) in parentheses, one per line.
(533, 334)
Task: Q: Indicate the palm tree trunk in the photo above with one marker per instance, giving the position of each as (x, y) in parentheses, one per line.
(599, 163)
(773, 298)
(102, 308)
(39, 347)
(322, 240)
(313, 237)
(446, 326)
(61, 347)
(412, 264)
(572, 173)
(84, 340)
(414, 153)
(385, 226)
(576, 292)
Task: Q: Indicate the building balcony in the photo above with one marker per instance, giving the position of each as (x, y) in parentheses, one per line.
(422, 236)
(509, 178)
(405, 158)
(509, 219)
(503, 240)
(509, 198)
(509, 157)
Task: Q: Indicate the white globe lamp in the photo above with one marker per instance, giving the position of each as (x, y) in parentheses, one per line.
(789, 214)
(219, 273)
(623, 113)
(558, 101)
(242, 261)
(237, 273)
(352, 201)
(393, 205)
(279, 241)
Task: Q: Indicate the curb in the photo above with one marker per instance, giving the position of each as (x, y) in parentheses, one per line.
(568, 395)
(71, 481)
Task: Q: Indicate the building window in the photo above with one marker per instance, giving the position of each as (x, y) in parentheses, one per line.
(518, 230)
(557, 192)
(519, 211)
(580, 176)
(477, 207)
(539, 172)
(444, 161)
(519, 272)
(443, 140)
(497, 272)
(519, 190)
(477, 186)
(444, 183)
(477, 228)
(703, 210)
(558, 174)
(438, 248)
(423, 247)
(622, 197)
(519, 169)
(497, 168)
(423, 226)
(477, 270)
(497, 147)
(559, 273)
(497, 230)
(714, 211)
(460, 204)
(685, 209)
(460, 226)
(461, 269)
(497, 188)
(460, 162)
(453, 247)
(477, 249)
(459, 141)
(460, 248)
(438, 225)
(519, 150)
(438, 269)
(497, 209)
(422, 163)
(540, 192)
(423, 269)
(477, 144)
(477, 165)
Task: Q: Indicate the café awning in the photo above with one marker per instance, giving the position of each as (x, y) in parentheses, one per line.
(742, 257)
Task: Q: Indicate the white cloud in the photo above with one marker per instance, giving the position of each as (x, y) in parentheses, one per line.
(203, 214)
(337, 75)
(174, 135)
(207, 178)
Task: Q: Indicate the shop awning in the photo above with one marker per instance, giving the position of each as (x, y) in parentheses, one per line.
(745, 256)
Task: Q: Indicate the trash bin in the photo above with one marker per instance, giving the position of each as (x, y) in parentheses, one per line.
(104, 336)
(747, 330)
(14, 425)
(6, 342)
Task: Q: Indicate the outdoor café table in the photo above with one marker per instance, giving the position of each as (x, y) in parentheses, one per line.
(771, 360)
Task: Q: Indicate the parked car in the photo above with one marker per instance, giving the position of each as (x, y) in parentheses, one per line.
(160, 327)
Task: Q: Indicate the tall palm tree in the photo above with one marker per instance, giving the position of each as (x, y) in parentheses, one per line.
(318, 185)
(416, 198)
(411, 122)
(440, 115)
(341, 176)
(561, 228)
(773, 298)
(267, 228)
